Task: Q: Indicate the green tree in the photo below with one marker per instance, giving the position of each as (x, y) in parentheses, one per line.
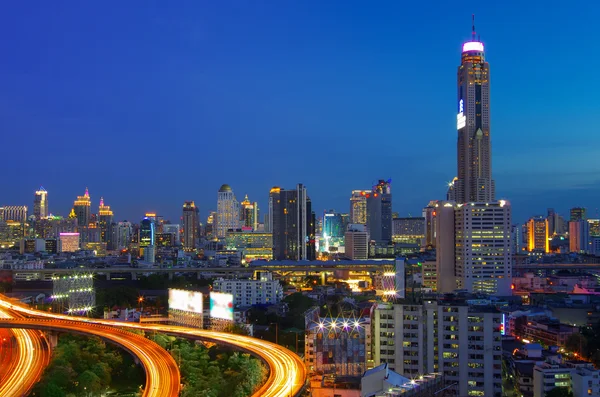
(89, 382)
(560, 392)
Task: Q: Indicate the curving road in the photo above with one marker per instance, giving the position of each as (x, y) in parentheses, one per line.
(287, 373)
(28, 359)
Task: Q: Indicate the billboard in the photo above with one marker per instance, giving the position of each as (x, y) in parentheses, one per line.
(221, 306)
(189, 301)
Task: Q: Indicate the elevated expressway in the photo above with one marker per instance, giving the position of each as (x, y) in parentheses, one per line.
(287, 373)
(29, 354)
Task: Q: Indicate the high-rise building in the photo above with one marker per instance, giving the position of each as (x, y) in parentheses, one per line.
(124, 233)
(408, 230)
(578, 214)
(293, 224)
(460, 339)
(173, 229)
(379, 212)
(40, 204)
(358, 207)
(538, 235)
(474, 247)
(474, 182)
(249, 214)
(105, 219)
(15, 213)
(357, 241)
(594, 227)
(147, 233)
(579, 236)
(69, 242)
(228, 213)
(82, 209)
(429, 213)
(190, 225)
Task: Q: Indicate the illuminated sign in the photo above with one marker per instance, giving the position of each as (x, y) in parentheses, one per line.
(221, 306)
(473, 46)
(189, 301)
(461, 106)
(461, 121)
(502, 329)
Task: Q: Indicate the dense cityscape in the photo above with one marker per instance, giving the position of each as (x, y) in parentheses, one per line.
(463, 300)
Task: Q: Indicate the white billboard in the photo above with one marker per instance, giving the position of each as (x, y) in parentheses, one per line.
(189, 301)
(221, 306)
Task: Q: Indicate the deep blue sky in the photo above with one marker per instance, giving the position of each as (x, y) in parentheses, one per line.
(150, 105)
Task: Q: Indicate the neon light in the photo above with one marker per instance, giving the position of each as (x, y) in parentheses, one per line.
(461, 121)
(461, 106)
(69, 234)
(473, 46)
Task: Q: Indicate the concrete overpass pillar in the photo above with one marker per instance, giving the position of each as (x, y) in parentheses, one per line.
(198, 275)
(171, 275)
(107, 276)
(52, 339)
(134, 275)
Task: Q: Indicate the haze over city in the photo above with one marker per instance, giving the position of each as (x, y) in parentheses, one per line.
(150, 106)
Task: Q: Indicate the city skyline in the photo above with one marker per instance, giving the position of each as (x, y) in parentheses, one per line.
(366, 98)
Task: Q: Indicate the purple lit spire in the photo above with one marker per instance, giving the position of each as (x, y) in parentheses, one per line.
(101, 201)
(87, 193)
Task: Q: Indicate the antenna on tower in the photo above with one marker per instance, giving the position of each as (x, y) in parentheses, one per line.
(473, 27)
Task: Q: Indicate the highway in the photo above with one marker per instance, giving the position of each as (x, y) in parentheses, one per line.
(29, 356)
(162, 373)
(287, 373)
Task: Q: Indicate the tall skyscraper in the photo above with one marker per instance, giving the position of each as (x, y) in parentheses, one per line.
(147, 232)
(579, 236)
(474, 247)
(293, 224)
(379, 212)
(474, 182)
(538, 234)
(40, 204)
(228, 213)
(429, 213)
(357, 242)
(105, 219)
(82, 209)
(249, 213)
(358, 207)
(190, 225)
(578, 214)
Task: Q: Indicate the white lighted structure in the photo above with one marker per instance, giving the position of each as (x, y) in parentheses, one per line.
(221, 306)
(390, 283)
(185, 307)
(69, 242)
(74, 294)
(228, 211)
(40, 204)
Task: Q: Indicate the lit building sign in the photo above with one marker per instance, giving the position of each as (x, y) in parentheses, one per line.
(473, 46)
(221, 306)
(461, 121)
(189, 301)
(502, 327)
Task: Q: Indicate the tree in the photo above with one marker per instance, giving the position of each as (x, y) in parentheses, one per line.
(560, 392)
(577, 343)
(237, 329)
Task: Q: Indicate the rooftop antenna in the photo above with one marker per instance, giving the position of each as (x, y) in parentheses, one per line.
(473, 27)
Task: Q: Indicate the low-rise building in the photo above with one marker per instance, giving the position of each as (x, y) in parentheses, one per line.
(263, 291)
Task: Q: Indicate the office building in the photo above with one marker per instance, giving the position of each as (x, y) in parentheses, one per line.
(31, 245)
(253, 245)
(228, 213)
(82, 209)
(458, 337)
(333, 224)
(356, 242)
(474, 247)
(248, 214)
(579, 236)
(190, 225)
(379, 212)
(150, 254)
(578, 214)
(408, 230)
(15, 213)
(293, 224)
(40, 204)
(517, 237)
(105, 219)
(538, 235)
(358, 207)
(124, 234)
(175, 230)
(594, 227)
(474, 181)
(264, 291)
(69, 242)
(429, 214)
(146, 233)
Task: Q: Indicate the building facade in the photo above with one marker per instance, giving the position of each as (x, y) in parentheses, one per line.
(379, 212)
(538, 235)
(190, 225)
(228, 212)
(358, 207)
(40, 204)
(356, 242)
(250, 292)
(474, 181)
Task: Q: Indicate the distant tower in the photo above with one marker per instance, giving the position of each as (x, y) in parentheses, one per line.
(358, 207)
(379, 212)
(81, 208)
(538, 232)
(249, 213)
(190, 225)
(40, 204)
(228, 214)
(147, 233)
(293, 224)
(105, 219)
(474, 183)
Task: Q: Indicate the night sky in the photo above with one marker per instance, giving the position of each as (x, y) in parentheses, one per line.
(152, 105)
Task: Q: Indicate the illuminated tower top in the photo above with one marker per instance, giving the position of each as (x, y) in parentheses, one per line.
(474, 181)
(40, 204)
